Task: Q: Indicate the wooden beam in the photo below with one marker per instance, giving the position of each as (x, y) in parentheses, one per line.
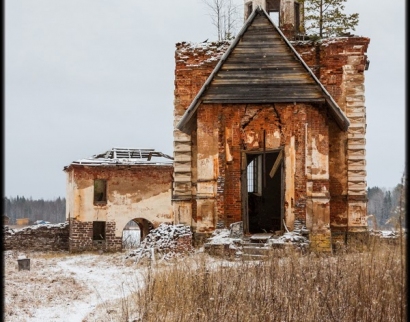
(276, 164)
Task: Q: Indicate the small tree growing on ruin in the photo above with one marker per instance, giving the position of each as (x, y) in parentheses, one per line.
(224, 15)
(325, 18)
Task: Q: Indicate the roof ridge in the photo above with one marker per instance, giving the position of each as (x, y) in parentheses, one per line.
(338, 114)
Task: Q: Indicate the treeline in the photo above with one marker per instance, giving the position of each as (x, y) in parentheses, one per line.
(386, 207)
(21, 207)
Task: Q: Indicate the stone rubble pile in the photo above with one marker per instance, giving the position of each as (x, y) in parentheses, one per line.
(299, 227)
(232, 241)
(299, 237)
(8, 231)
(293, 237)
(27, 229)
(220, 237)
(166, 241)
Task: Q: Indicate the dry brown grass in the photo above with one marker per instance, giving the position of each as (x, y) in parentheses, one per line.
(349, 286)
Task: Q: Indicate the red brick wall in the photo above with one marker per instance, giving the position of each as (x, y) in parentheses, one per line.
(193, 65)
(81, 237)
(289, 119)
(327, 59)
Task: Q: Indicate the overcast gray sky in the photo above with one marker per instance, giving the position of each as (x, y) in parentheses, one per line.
(83, 76)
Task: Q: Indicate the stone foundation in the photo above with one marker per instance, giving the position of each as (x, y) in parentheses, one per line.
(358, 241)
(320, 242)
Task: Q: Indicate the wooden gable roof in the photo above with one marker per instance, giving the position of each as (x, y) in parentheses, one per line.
(261, 66)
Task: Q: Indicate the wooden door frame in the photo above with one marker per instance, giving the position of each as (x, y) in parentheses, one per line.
(244, 185)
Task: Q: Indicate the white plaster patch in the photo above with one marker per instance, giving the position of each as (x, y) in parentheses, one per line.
(206, 167)
(357, 214)
(229, 156)
(320, 162)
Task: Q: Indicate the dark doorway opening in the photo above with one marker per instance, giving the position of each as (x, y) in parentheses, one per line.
(98, 230)
(262, 190)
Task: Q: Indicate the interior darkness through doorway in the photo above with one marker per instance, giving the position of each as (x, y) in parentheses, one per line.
(264, 192)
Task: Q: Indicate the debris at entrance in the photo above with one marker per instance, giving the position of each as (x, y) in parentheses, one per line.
(222, 243)
(293, 237)
(167, 241)
(221, 237)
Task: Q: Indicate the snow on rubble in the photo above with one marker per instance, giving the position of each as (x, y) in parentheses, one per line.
(234, 239)
(11, 231)
(166, 242)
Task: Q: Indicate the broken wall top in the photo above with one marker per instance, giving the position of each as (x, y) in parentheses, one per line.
(261, 66)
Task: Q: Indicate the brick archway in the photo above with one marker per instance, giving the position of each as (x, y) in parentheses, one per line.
(135, 231)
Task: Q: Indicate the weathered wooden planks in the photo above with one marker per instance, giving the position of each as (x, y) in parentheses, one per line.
(262, 68)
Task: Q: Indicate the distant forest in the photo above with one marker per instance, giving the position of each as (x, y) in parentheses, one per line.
(383, 208)
(21, 207)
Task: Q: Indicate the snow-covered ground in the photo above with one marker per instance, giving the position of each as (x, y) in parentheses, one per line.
(65, 287)
(83, 287)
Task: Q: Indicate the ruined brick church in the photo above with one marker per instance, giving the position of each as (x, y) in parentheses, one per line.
(270, 129)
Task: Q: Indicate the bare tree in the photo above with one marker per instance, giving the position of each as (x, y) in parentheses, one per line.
(224, 15)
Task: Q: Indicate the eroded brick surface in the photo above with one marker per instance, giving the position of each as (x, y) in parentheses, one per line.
(325, 177)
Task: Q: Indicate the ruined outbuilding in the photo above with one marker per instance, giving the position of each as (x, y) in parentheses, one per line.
(108, 190)
(270, 129)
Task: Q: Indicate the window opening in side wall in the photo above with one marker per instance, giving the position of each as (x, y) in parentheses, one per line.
(100, 191)
(98, 230)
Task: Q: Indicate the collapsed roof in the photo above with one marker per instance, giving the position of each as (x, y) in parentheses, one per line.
(126, 156)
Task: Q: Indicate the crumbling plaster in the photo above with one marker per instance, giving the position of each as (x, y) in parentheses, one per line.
(235, 128)
(341, 70)
(132, 192)
(324, 166)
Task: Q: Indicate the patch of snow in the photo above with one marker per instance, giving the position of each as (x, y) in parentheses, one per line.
(221, 237)
(98, 278)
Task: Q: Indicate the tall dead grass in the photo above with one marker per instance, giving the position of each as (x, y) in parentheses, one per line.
(349, 286)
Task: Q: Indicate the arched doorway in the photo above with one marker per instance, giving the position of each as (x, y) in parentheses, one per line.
(134, 232)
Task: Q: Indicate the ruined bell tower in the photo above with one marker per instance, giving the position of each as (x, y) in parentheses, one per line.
(323, 184)
(289, 13)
